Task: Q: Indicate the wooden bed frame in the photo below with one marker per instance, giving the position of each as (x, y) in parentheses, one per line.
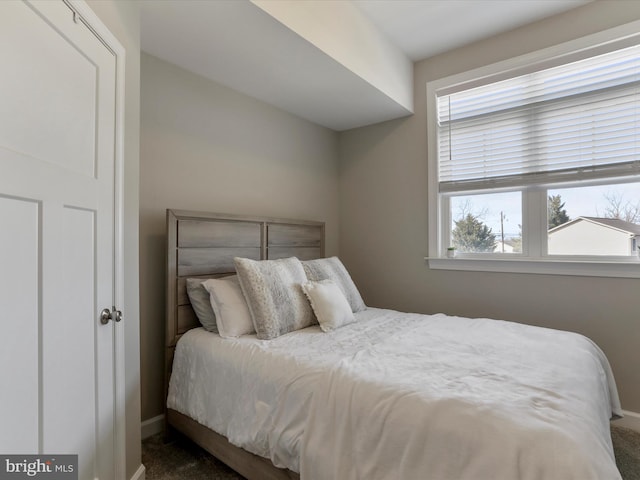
(203, 245)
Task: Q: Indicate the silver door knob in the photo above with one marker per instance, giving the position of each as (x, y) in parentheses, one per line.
(106, 315)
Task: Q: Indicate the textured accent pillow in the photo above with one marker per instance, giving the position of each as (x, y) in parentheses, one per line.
(329, 304)
(274, 295)
(201, 304)
(232, 313)
(332, 268)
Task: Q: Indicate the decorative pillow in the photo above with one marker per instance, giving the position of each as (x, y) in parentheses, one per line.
(329, 304)
(274, 295)
(232, 314)
(333, 269)
(201, 304)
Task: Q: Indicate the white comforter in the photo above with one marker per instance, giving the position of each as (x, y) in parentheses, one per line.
(407, 396)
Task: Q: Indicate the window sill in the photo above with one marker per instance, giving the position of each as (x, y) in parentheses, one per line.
(588, 268)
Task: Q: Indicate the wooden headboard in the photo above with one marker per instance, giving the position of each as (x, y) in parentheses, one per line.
(203, 245)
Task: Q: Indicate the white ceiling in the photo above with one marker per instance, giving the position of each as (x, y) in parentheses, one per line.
(423, 28)
(237, 44)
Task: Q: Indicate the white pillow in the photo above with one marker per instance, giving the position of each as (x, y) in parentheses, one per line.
(232, 313)
(329, 304)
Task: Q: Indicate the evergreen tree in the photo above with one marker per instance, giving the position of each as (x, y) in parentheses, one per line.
(472, 235)
(556, 214)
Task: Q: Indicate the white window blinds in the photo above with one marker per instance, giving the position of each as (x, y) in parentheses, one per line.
(576, 121)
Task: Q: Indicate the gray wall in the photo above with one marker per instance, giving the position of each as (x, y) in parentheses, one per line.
(123, 20)
(383, 219)
(206, 147)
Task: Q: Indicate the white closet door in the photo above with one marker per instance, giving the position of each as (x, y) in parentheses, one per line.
(57, 126)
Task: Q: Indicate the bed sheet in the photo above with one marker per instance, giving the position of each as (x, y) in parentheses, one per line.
(398, 395)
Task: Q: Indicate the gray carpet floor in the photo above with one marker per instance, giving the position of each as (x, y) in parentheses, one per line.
(181, 459)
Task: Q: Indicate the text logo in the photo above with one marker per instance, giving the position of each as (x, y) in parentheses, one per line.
(50, 467)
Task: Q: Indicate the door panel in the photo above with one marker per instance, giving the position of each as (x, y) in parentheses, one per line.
(47, 72)
(57, 136)
(19, 292)
(70, 370)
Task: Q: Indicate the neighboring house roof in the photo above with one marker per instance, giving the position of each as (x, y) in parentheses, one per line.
(616, 223)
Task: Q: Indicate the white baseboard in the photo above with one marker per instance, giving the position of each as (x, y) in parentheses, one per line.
(152, 426)
(139, 475)
(630, 420)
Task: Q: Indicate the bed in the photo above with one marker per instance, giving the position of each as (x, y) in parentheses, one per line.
(387, 395)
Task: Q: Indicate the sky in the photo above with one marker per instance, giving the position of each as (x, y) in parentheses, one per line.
(582, 201)
(591, 201)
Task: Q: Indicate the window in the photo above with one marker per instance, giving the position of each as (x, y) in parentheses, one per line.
(601, 220)
(486, 223)
(538, 160)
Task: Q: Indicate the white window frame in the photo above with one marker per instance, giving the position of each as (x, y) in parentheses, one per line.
(534, 258)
